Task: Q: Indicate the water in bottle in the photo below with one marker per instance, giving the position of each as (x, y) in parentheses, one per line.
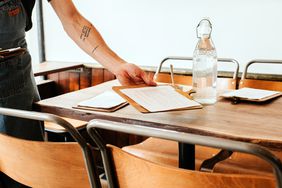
(204, 65)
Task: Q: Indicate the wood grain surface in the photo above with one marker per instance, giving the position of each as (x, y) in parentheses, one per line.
(43, 164)
(42, 69)
(259, 123)
(133, 171)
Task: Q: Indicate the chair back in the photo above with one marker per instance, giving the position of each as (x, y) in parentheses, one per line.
(222, 83)
(47, 164)
(132, 171)
(43, 164)
(260, 84)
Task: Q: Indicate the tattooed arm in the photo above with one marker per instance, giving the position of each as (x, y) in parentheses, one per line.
(89, 39)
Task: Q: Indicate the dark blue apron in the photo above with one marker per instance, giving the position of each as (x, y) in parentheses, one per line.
(17, 85)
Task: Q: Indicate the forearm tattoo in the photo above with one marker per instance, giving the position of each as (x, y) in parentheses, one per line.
(95, 49)
(85, 32)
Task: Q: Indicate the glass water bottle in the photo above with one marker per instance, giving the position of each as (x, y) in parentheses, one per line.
(204, 65)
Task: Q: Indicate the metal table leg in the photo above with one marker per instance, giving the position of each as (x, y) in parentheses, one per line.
(186, 156)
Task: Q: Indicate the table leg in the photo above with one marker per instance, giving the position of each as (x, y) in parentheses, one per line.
(186, 156)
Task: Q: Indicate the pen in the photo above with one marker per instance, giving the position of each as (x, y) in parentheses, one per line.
(10, 50)
(171, 75)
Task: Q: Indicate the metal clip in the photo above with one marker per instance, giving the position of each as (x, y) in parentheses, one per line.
(235, 100)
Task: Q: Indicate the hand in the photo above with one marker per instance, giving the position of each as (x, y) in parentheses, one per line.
(130, 74)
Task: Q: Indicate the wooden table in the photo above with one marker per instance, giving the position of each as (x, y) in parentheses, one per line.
(249, 122)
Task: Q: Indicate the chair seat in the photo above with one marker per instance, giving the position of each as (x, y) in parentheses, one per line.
(132, 170)
(78, 124)
(165, 152)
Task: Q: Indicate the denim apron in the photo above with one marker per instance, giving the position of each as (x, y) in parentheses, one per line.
(17, 85)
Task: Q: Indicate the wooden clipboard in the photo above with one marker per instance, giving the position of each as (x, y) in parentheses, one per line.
(256, 100)
(141, 108)
(238, 98)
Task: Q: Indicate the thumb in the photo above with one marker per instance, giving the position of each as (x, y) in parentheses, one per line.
(147, 79)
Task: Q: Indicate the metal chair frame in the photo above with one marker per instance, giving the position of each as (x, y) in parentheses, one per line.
(87, 149)
(180, 137)
(260, 61)
(182, 58)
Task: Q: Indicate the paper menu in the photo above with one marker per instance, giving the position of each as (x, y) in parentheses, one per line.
(252, 94)
(159, 98)
(106, 100)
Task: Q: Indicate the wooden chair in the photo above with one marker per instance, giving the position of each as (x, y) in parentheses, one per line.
(166, 152)
(47, 164)
(125, 170)
(57, 133)
(53, 127)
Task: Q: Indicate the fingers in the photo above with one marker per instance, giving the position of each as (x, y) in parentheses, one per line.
(129, 80)
(140, 77)
(131, 74)
(148, 79)
(123, 78)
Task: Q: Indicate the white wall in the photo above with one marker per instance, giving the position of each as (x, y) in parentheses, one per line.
(145, 31)
(32, 40)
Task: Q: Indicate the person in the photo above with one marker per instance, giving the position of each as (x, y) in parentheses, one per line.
(17, 85)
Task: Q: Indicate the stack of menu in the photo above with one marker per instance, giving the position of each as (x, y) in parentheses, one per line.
(250, 94)
(107, 101)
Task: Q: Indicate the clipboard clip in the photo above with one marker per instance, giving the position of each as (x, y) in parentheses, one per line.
(191, 91)
(177, 87)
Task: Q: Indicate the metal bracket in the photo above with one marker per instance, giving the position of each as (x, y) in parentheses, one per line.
(208, 164)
